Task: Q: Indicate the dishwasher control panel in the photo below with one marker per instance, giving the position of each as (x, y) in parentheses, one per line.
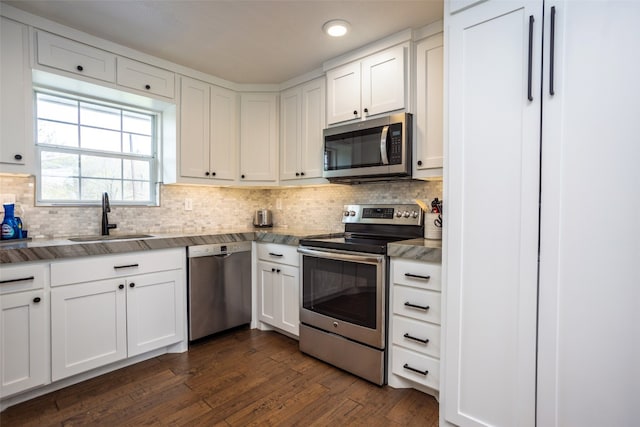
(218, 249)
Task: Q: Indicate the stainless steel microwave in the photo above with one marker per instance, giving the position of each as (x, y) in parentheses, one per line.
(372, 150)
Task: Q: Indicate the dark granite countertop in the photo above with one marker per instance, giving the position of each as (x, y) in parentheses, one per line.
(417, 249)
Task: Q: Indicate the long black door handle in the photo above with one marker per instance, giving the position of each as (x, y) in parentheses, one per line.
(418, 371)
(417, 276)
(421, 307)
(423, 341)
(552, 50)
(530, 71)
(21, 279)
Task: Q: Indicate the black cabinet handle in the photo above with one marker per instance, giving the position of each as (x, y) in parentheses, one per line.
(530, 71)
(213, 174)
(116, 267)
(18, 157)
(301, 173)
(417, 276)
(22, 279)
(421, 307)
(147, 87)
(419, 162)
(366, 110)
(277, 270)
(80, 68)
(273, 270)
(206, 173)
(120, 286)
(552, 50)
(242, 176)
(132, 285)
(418, 371)
(36, 300)
(275, 254)
(297, 174)
(355, 112)
(423, 341)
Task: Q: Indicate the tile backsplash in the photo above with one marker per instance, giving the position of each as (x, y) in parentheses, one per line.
(213, 208)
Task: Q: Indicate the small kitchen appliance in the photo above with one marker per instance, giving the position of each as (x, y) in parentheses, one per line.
(263, 218)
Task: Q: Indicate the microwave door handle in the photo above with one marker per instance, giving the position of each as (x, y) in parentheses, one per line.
(383, 145)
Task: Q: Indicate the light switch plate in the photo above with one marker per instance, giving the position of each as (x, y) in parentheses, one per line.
(188, 204)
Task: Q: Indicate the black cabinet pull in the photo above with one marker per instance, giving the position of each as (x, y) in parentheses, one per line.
(213, 174)
(147, 87)
(120, 286)
(421, 307)
(297, 174)
(116, 267)
(355, 112)
(423, 341)
(301, 173)
(132, 285)
(417, 276)
(419, 162)
(273, 270)
(36, 300)
(552, 50)
(275, 254)
(418, 371)
(278, 270)
(22, 279)
(530, 71)
(366, 110)
(206, 173)
(242, 176)
(79, 68)
(18, 157)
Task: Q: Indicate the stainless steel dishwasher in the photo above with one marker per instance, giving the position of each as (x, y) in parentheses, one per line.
(219, 287)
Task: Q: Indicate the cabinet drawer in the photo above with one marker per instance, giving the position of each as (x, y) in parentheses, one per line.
(23, 277)
(110, 266)
(413, 303)
(404, 359)
(74, 57)
(420, 274)
(144, 77)
(283, 254)
(408, 333)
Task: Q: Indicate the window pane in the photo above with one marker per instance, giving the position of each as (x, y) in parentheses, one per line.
(57, 188)
(99, 116)
(137, 144)
(100, 139)
(137, 123)
(136, 191)
(101, 167)
(55, 133)
(92, 189)
(56, 108)
(59, 164)
(136, 169)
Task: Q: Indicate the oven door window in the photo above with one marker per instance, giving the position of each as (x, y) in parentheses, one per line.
(343, 290)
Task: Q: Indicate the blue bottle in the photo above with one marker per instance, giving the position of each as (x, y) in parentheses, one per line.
(10, 228)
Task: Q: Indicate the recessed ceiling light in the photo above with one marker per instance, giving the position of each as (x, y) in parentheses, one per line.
(336, 27)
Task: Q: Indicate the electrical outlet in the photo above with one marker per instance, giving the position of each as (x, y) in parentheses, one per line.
(188, 204)
(279, 204)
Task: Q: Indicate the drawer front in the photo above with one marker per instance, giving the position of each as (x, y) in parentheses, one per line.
(283, 254)
(426, 275)
(23, 277)
(89, 269)
(406, 363)
(77, 58)
(147, 78)
(412, 334)
(411, 302)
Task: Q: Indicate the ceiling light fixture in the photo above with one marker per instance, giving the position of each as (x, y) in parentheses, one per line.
(336, 27)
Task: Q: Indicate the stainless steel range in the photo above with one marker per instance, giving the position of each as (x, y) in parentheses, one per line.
(345, 288)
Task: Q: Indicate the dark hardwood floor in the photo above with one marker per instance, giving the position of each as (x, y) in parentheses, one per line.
(239, 378)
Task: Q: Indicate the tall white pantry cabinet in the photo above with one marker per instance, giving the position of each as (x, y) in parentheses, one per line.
(542, 243)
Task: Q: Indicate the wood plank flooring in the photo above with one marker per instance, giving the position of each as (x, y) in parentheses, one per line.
(238, 378)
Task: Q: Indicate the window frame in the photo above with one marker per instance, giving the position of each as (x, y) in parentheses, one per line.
(154, 159)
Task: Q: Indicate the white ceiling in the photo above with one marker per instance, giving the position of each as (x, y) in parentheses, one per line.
(243, 41)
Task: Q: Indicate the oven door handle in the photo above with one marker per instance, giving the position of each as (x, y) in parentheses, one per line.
(383, 145)
(342, 256)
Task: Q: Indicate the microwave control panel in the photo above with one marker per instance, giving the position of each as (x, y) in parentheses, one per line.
(395, 145)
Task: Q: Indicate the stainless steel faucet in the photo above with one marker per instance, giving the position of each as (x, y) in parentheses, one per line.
(106, 207)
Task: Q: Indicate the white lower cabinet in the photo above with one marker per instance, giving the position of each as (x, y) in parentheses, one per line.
(279, 287)
(414, 359)
(24, 354)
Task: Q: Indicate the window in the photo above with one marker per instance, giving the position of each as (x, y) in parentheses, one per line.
(86, 148)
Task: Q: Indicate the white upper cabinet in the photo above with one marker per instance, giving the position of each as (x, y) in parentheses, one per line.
(302, 119)
(373, 85)
(208, 136)
(259, 137)
(428, 141)
(145, 77)
(77, 58)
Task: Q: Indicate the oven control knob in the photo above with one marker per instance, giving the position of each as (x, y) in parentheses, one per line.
(414, 214)
(352, 213)
(346, 213)
(399, 214)
(335, 324)
(406, 214)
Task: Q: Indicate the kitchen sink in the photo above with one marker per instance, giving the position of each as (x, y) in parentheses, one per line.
(113, 237)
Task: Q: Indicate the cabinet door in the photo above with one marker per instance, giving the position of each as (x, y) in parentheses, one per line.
(23, 338)
(76, 58)
(17, 153)
(291, 133)
(258, 137)
(288, 294)
(313, 122)
(194, 128)
(155, 310)
(343, 93)
(267, 293)
(223, 134)
(429, 107)
(383, 81)
(88, 326)
(589, 323)
(492, 196)
(145, 77)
